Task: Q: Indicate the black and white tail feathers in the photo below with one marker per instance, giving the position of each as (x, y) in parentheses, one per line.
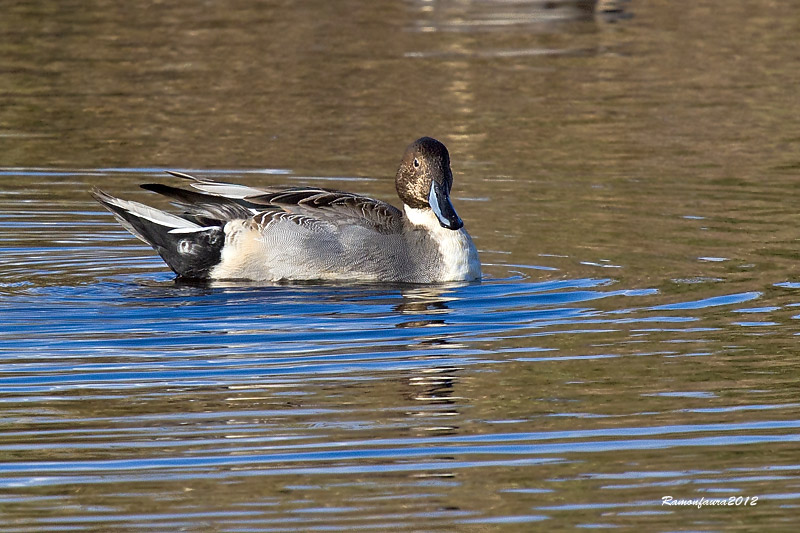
(191, 244)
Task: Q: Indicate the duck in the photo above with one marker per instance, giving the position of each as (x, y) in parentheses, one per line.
(229, 231)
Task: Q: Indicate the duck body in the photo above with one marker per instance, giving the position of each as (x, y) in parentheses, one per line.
(284, 248)
(230, 231)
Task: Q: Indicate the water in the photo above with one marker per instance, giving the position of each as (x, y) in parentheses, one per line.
(630, 179)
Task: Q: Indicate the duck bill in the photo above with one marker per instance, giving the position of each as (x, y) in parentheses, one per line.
(439, 201)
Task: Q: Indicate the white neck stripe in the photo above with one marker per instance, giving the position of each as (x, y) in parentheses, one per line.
(422, 217)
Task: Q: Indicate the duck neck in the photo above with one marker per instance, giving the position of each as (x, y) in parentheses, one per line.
(424, 217)
(458, 259)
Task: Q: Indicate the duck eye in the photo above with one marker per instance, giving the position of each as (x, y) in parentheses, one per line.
(416, 163)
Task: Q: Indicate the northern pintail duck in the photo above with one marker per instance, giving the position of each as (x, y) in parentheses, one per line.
(230, 231)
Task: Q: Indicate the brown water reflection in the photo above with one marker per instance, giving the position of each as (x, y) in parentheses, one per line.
(644, 162)
(637, 109)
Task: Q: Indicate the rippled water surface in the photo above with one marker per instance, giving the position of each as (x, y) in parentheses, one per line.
(629, 175)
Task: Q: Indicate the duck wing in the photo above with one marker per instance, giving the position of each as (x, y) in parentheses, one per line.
(198, 205)
(334, 207)
(225, 201)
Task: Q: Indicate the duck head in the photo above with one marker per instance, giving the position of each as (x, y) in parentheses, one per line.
(424, 180)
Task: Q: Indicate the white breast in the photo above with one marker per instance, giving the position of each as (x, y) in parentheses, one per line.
(459, 257)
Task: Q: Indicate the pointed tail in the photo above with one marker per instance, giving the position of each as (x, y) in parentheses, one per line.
(189, 249)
